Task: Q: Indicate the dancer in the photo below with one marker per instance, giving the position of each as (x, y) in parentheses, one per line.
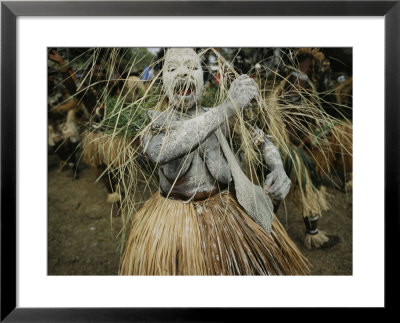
(208, 218)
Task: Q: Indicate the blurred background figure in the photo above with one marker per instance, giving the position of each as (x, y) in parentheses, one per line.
(63, 108)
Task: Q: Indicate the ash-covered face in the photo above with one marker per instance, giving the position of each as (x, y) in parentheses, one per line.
(183, 77)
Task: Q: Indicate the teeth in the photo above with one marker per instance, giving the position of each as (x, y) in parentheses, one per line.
(183, 88)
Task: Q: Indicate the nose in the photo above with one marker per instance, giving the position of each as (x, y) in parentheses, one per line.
(183, 72)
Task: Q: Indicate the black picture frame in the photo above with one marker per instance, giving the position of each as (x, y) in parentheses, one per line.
(10, 10)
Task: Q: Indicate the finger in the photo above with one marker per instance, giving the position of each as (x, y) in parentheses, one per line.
(249, 94)
(250, 88)
(256, 94)
(253, 81)
(282, 183)
(280, 191)
(240, 79)
(268, 182)
(269, 179)
(288, 182)
(277, 196)
(248, 82)
(284, 190)
(276, 188)
(243, 76)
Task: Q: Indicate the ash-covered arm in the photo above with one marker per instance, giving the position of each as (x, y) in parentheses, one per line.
(277, 184)
(271, 155)
(185, 136)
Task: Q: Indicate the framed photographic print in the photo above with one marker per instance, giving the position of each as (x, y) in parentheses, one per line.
(196, 158)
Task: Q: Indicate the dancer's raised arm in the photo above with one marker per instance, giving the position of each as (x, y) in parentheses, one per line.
(181, 137)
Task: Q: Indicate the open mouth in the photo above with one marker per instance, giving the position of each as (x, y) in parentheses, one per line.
(184, 88)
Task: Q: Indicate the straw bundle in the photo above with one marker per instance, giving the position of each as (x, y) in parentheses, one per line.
(336, 153)
(306, 188)
(99, 149)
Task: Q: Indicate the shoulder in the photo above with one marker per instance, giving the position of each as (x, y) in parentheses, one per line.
(161, 119)
(153, 114)
(205, 109)
(158, 117)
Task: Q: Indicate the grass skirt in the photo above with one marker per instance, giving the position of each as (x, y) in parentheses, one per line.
(210, 237)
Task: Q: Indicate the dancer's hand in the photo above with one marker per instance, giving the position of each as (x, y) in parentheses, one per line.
(242, 91)
(277, 184)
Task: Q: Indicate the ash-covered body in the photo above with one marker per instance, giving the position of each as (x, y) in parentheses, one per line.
(195, 231)
(188, 169)
(183, 141)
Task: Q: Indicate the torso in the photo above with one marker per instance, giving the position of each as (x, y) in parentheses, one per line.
(196, 175)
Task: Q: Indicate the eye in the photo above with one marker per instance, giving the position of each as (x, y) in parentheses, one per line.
(193, 67)
(171, 68)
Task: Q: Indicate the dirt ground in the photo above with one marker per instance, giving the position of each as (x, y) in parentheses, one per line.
(82, 235)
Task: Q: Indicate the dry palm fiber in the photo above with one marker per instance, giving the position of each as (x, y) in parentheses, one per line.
(210, 237)
(71, 104)
(307, 60)
(323, 158)
(314, 52)
(336, 153)
(306, 188)
(342, 145)
(344, 91)
(311, 201)
(134, 88)
(101, 149)
(316, 240)
(299, 122)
